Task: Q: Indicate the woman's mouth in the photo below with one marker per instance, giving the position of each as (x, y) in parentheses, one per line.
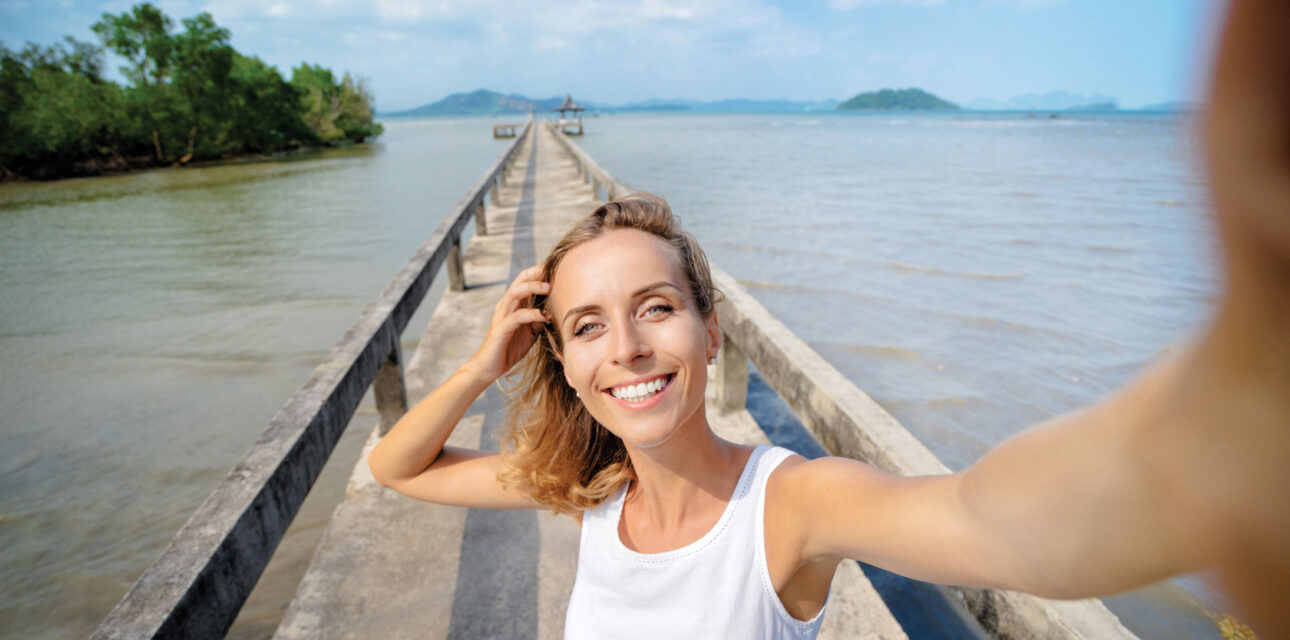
(641, 391)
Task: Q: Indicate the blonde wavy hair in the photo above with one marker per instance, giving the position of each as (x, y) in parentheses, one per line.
(551, 447)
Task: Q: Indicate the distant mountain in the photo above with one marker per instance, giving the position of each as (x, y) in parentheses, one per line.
(735, 105)
(486, 102)
(1096, 106)
(903, 99)
(1051, 101)
(1182, 106)
(480, 102)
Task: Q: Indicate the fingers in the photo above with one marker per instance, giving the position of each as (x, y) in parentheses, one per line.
(520, 317)
(528, 316)
(530, 273)
(525, 285)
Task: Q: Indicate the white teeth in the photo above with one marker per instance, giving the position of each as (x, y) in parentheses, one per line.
(639, 391)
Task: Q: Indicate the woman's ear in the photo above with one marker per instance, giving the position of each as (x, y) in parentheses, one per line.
(714, 335)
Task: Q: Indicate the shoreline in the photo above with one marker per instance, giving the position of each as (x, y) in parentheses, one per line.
(121, 164)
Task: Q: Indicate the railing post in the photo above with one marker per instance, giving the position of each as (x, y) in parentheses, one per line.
(731, 378)
(391, 394)
(481, 221)
(492, 190)
(456, 275)
(595, 188)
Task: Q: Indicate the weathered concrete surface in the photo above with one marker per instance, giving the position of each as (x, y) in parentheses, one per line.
(392, 567)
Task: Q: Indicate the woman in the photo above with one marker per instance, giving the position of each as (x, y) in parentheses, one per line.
(689, 535)
(616, 329)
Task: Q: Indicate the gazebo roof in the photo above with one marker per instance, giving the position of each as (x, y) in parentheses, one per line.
(568, 105)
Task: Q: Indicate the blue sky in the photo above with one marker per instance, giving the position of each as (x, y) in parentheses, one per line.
(418, 51)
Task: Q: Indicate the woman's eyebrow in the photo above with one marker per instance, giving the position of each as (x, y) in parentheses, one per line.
(641, 291)
(577, 310)
(650, 287)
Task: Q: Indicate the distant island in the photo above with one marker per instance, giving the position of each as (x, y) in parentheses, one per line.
(480, 102)
(897, 99)
(484, 102)
(1179, 106)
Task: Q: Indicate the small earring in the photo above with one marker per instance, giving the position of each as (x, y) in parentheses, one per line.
(712, 360)
(577, 394)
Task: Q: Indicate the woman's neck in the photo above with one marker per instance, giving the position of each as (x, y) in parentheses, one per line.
(688, 476)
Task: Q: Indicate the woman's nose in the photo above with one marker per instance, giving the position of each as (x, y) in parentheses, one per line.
(629, 344)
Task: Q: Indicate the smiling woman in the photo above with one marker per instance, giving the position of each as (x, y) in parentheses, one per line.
(567, 397)
(689, 535)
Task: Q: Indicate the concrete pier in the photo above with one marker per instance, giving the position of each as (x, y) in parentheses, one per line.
(391, 567)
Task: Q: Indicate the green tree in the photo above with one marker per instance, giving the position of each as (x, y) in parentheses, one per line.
(319, 99)
(202, 61)
(334, 110)
(190, 95)
(141, 36)
(57, 109)
(354, 115)
(266, 109)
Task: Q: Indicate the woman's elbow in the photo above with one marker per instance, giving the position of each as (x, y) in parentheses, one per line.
(380, 471)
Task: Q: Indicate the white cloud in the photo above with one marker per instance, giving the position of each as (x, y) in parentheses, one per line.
(847, 5)
(549, 43)
(659, 9)
(1029, 4)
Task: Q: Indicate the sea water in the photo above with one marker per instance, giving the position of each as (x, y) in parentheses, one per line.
(975, 273)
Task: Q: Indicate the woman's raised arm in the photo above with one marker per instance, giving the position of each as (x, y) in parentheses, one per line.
(412, 459)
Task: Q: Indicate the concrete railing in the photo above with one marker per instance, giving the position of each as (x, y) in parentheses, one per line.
(198, 585)
(848, 423)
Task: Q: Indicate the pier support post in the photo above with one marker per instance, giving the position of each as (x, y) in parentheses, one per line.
(731, 377)
(456, 275)
(388, 388)
(481, 221)
(492, 192)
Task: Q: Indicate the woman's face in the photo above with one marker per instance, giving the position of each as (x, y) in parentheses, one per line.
(635, 348)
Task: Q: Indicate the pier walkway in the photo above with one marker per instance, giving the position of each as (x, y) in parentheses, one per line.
(392, 567)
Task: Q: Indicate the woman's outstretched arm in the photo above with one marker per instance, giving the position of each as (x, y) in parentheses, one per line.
(1184, 469)
(1072, 508)
(412, 459)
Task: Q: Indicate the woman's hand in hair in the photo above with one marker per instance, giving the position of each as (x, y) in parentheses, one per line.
(514, 328)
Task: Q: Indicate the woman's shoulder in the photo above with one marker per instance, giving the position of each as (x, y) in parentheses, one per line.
(798, 482)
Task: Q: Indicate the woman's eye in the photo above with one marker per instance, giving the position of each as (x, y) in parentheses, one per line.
(584, 328)
(656, 309)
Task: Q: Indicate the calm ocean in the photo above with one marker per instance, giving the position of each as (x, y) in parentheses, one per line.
(974, 273)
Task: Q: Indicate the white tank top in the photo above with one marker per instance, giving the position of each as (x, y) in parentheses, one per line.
(715, 587)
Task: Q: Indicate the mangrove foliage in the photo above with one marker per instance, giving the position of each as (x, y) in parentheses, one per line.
(188, 94)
